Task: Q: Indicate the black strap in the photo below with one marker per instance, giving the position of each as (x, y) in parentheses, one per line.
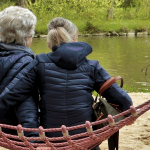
(113, 141)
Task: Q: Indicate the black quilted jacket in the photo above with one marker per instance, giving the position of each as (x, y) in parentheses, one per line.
(13, 58)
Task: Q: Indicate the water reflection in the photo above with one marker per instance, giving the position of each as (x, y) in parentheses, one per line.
(124, 56)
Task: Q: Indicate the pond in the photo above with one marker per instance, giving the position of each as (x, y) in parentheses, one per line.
(124, 55)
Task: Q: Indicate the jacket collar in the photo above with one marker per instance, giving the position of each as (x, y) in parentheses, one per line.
(12, 47)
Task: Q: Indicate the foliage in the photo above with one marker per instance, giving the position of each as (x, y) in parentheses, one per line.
(4, 4)
(90, 10)
(90, 15)
(87, 10)
(90, 28)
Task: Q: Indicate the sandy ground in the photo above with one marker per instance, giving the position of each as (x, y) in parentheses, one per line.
(137, 135)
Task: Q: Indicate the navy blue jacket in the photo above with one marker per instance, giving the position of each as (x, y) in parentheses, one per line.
(66, 79)
(13, 58)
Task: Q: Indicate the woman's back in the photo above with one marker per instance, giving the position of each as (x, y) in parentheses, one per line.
(66, 83)
(66, 80)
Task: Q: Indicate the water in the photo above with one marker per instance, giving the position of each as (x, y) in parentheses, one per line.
(124, 56)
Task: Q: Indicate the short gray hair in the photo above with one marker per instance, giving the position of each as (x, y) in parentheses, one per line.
(61, 30)
(17, 24)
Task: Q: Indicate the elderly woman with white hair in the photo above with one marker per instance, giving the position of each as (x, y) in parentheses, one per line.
(17, 26)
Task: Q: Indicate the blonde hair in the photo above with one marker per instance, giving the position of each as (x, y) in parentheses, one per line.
(17, 24)
(61, 30)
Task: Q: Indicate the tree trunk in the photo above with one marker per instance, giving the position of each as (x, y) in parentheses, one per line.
(110, 11)
(21, 3)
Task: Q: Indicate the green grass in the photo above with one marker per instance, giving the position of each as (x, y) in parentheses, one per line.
(117, 25)
(41, 27)
(128, 25)
(102, 26)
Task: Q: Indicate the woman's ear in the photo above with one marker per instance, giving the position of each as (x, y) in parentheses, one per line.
(29, 41)
(75, 39)
(49, 46)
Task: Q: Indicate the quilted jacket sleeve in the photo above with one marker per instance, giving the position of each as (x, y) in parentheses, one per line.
(114, 94)
(19, 89)
(27, 114)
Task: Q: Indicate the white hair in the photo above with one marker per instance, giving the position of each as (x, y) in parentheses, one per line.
(61, 30)
(17, 24)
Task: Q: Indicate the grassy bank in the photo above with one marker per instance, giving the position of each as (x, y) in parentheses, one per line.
(102, 26)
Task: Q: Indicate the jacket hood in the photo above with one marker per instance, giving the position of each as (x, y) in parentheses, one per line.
(10, 54)
(4, 47)
(70, 55)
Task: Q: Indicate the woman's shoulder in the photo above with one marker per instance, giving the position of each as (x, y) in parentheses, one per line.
(43, 57)
(93, 63)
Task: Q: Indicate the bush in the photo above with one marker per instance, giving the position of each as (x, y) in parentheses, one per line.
(90, 28)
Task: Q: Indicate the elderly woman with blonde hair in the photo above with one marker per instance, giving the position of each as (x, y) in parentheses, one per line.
(16, 32)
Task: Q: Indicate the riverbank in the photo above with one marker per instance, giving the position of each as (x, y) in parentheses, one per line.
(137, 135)
(110, 33)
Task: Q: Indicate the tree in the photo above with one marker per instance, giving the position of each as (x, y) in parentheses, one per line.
(4, 4)
(110, 10)
(22, 3)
